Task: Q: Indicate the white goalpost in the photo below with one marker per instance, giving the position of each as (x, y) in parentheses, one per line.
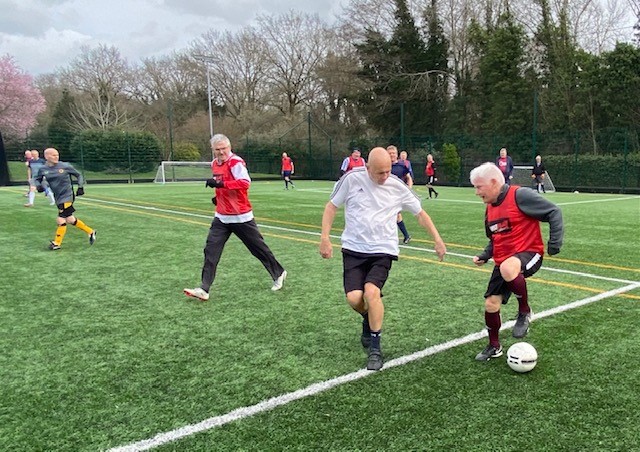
(170, 171)
(522, 176)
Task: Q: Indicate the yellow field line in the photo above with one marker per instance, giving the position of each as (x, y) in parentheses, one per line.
(290, 223)
(419, 259)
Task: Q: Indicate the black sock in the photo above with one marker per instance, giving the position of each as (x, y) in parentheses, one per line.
(403, 229)
(366, 330)
(375, 339)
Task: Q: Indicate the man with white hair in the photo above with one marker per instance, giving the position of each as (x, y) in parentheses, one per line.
(512, 223)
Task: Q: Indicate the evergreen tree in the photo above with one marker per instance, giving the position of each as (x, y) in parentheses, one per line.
(391, 68)
(502, 94)
(60, 131)
(437, 51)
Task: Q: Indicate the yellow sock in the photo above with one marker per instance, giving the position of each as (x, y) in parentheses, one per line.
(80, 225)
(60, 232)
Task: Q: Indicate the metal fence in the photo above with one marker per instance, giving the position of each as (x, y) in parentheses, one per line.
(605, 160)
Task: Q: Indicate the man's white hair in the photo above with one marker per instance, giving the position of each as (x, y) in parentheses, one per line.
(220, 138)
(486, 171)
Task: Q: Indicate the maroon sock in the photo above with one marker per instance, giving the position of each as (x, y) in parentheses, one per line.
(493, 322)
(519, 288)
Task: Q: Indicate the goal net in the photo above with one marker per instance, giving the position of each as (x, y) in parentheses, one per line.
(182, 172)
(522, 176)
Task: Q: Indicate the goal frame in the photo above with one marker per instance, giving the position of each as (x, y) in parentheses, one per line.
(550, 188)
(161, 173)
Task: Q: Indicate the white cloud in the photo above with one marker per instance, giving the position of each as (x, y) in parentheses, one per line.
(43, 35)
(43, 53)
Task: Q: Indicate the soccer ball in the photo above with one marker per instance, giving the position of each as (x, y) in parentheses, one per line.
(522, 357)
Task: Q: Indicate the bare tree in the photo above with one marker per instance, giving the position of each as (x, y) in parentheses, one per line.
(238, 69)
(99, 79)
(296, 45)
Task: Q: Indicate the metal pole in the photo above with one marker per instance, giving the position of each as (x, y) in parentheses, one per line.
(402, 125)
(209, 98)
(534, 132)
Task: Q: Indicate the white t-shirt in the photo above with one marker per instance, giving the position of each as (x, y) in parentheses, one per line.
(371, 211)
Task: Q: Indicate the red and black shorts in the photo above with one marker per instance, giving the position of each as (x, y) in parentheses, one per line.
(530, 263)
(360, 268)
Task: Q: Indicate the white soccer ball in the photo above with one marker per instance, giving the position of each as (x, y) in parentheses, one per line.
(576, 192)
(522, 357)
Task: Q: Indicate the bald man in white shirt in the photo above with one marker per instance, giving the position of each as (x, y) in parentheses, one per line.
(372, 198)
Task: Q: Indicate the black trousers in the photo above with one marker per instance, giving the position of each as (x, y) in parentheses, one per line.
(249, 234)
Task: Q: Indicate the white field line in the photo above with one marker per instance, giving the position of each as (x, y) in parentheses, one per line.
(317, 388)
(317, 234)
(598, 200)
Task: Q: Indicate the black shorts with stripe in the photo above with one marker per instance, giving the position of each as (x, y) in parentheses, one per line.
(530, 263)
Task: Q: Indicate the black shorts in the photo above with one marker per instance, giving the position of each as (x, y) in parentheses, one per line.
(431, 180)
(539, 180)
(530, 263)
(65, 210)
(286, 174)
(360, 268)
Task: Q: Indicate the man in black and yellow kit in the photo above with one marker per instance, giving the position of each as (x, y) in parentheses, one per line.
(512, 224)
(57, 176)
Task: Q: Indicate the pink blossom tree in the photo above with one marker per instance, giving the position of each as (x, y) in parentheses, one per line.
(20, 100)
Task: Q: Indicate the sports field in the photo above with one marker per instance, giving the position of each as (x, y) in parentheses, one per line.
(101, 350)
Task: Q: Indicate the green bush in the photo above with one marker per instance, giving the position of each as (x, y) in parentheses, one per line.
(186, 152)
(115, 151)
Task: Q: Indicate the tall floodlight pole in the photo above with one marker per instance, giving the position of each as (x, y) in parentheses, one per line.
(206, 60)
(209, 98)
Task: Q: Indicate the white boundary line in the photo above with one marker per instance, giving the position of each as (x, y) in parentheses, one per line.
(313, 233)
(317, 388)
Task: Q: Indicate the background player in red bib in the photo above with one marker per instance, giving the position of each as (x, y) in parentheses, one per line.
(505, 164)
(287, 170)
(430, 172)
(512, 223)
(353, 161)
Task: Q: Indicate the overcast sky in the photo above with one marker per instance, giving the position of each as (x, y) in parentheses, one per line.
(43, 35)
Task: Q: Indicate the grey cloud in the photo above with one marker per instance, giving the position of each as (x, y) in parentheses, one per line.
(25, 20)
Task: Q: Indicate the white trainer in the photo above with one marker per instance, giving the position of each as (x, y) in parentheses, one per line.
(198, 293)
(278, 283)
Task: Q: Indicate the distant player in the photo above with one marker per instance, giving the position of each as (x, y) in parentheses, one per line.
(33, 167)
(430, 172)
(512, 224)
(537, 174)
(353, 161)
(404, 158)
(57, 175)
(504, 162)
(400, 170)
(287, 170)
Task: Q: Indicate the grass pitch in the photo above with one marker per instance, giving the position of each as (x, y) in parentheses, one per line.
(100, 349)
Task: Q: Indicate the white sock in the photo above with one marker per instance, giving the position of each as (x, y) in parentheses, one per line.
(50, 195)
(32, 197)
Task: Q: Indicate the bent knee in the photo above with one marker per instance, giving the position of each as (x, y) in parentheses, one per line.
(493, 303)
(510, 268)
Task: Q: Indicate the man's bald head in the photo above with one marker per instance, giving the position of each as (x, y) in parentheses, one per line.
(51, 155)
(379, 165)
